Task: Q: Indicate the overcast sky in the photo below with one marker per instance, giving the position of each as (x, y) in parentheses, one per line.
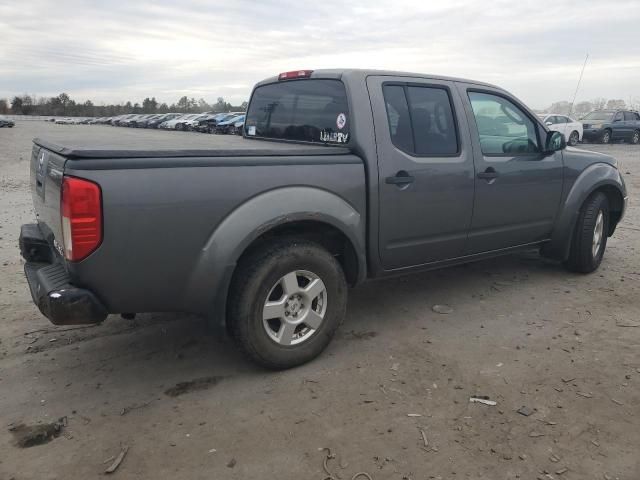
(118, 50)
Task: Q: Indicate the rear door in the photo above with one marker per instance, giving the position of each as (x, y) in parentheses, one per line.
(517, 187)
(631, 124)
(561, 125)
(618, 128)
(425, 170)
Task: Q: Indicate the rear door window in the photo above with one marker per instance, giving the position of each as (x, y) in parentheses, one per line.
(631, 116)
(309, 110)
(421, 120)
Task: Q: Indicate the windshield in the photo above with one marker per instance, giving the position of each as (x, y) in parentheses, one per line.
(605, 116)
(313, 110)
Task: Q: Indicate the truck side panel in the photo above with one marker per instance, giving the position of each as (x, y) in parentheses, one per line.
(159, 222)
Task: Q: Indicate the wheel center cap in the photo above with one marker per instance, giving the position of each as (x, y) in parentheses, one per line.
(294, 305)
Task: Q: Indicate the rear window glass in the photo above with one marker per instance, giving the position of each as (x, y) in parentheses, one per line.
(313, 110)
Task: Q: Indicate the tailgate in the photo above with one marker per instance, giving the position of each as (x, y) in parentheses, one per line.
(46, 179)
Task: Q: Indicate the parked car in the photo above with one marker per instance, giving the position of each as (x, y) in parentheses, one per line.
(165, 117)
(228, 126)
(570, 128)
(64, 121)
(238, 127)
(179, 120)
(144, 122)
(122, 120)
(340, 176)
(608, 126)
(208, 125)
(202, 125)
(132, 121)
(193, 123)
(5, 122)
(181, 123)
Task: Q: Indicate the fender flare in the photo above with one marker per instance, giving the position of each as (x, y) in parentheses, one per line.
(218, 257)
(591, 179)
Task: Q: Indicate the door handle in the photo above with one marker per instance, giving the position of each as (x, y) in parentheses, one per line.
(489, 174)
(401, 178)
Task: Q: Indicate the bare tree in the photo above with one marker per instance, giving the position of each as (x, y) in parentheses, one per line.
(616, 104)
(598, 103)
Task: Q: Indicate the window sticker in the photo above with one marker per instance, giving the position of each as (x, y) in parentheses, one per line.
(334, 137)
(251, 130)
(341, 121)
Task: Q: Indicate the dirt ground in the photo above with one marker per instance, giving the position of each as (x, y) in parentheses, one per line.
(523, 332)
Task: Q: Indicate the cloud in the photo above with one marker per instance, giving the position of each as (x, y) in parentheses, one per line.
(120, 50)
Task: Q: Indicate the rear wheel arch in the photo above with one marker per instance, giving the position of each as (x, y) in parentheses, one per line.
(323, 233)
(314, 214)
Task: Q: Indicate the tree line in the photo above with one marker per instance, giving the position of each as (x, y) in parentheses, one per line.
(582, 108)
(64, 105)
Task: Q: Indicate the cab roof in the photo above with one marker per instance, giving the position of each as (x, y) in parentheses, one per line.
(342, 73)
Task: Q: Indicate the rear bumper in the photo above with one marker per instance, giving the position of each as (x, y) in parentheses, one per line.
(50, 285)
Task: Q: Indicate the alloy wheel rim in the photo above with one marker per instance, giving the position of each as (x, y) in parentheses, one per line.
(636, 137)
(598, 232)
(295, 308)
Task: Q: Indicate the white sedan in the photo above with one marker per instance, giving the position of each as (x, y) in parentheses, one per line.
(561, 123)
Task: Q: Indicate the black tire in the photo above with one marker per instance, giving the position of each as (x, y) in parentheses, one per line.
(581, 256)
(574, 137)
(635, 138)
(255, 280)
(606, 137)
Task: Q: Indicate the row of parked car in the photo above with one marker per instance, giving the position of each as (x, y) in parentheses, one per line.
(604, 126)
(5, 122)
(231, 122)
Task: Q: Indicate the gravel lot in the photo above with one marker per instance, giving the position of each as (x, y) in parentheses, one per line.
(523, 331)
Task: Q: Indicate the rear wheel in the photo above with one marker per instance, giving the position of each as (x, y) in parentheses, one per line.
(286, 302)
(573, 138)
(606, 136)
(635, 138)
(590, 236)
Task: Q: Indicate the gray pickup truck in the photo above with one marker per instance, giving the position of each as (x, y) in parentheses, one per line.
(341, 176)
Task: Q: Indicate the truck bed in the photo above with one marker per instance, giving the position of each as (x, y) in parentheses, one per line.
(95, 142)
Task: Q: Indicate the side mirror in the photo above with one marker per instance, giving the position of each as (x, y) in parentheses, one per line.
(555, 141)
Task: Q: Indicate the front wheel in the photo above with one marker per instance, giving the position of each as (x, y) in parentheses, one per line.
(286, 302)
(635, 138)
(573, 138)
(590, 235)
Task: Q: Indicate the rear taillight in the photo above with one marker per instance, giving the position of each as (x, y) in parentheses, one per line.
(295, 74)
(81, 209)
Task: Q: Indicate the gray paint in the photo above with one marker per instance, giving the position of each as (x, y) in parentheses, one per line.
(177, 217)
(174, 231)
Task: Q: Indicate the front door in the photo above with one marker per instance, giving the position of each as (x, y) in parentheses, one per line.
(425, 170)
(517, 186)
(630, 124)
